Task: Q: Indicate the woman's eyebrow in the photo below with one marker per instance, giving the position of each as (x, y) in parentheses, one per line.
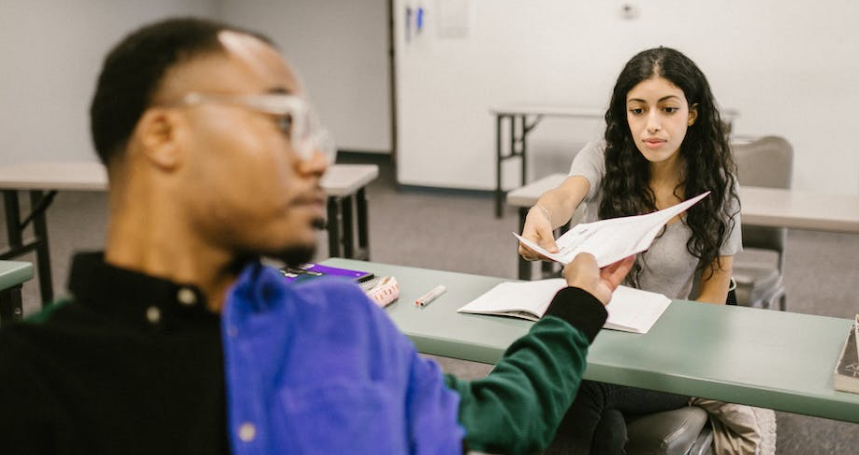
(664, 98)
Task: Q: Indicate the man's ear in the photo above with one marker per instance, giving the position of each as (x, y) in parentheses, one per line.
(157, 133)
(693, 114)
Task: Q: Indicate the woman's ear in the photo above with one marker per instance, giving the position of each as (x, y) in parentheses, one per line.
(693, 114)
(157, 134)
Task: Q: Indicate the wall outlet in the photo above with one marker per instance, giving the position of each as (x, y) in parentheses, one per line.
(630, 9)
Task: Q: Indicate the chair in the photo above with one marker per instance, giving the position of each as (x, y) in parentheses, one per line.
(684, 431)
(765, 162)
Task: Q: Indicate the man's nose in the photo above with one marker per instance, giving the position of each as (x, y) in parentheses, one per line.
(316, 165)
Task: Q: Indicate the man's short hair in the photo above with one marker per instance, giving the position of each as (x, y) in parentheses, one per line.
(134, 69)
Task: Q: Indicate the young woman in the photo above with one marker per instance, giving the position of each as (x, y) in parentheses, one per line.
(664, 143)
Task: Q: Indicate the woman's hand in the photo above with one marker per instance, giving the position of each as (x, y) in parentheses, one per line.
(538, 229)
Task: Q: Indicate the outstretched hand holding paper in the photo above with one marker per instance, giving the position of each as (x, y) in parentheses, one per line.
(612, 240)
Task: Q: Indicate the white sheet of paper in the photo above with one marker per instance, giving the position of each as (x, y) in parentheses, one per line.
(614, 239)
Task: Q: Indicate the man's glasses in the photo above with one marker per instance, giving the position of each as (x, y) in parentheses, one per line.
(293, 114)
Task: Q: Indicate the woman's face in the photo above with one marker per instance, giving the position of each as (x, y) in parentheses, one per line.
(658, 116)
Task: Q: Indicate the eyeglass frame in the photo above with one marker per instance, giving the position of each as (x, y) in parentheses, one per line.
(306, 134)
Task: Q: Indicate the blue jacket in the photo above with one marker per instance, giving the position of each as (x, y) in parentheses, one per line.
(319, 368)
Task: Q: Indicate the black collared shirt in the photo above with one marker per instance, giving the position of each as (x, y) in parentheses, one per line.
(132, 364)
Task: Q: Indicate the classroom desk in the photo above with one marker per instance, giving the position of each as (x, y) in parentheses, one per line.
(799, 209)
(523, 119)
(343, 183)
(772, 359)
(13, 274)
(772, 207)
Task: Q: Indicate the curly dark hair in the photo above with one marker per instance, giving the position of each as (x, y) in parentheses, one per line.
(709, 164)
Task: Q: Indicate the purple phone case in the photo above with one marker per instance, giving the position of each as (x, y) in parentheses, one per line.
(356, 275)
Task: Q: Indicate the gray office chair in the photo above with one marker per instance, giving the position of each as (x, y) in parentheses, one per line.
(684, 431)
(765, 162)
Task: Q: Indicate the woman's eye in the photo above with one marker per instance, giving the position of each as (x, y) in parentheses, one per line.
(636, 111)
(671, 110)
(284, 123)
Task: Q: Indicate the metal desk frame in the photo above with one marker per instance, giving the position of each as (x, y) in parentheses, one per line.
(345, 188)
(519, 127)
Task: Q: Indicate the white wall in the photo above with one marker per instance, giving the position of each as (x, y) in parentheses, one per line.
(788, 67)
(51, 51)
(50, 55)
(340, 48)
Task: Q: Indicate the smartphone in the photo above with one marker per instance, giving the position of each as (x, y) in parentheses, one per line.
(309, 271)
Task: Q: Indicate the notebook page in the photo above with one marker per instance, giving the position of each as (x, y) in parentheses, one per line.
(529, 296)
(634, 310)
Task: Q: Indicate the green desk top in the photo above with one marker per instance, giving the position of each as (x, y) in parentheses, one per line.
(764, 358)
(13, 273)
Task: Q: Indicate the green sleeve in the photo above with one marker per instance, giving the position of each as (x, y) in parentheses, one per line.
(517, 408)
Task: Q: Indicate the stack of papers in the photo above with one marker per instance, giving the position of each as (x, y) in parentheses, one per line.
(630, 310)
(614, 239)
(846, 376)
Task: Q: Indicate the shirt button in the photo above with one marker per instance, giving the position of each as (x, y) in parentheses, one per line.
(153, 314)
(247, 432)
(186, 297)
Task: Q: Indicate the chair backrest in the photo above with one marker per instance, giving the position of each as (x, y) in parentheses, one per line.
(765, 162)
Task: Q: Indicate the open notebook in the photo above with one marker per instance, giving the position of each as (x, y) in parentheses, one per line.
(630, 310)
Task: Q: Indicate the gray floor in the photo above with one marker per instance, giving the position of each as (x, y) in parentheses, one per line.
(457, 231)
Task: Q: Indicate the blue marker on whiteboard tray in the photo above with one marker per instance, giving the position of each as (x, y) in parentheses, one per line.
(408, 23)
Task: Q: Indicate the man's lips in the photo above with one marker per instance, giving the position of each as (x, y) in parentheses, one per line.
(310, 199)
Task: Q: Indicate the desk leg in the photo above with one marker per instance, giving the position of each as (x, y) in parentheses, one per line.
(348, 228)
(13, 220)
(333, 226)
(548, 270)
(523, 149)
(43, 256)
(499, 207)
(11, 308)
(363, 226)
(524, 266)
(39, 202)
(513, 139)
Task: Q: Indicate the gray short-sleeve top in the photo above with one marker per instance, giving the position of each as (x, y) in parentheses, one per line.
(668, 267)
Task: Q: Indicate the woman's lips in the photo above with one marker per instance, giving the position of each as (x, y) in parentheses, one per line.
(654, 143)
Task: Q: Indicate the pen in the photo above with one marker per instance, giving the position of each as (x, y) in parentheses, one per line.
(427, 298)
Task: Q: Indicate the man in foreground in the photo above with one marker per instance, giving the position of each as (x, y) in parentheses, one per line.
(177, 340)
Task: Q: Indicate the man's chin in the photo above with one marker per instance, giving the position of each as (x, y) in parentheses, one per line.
(296, 255)
(300, 253)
